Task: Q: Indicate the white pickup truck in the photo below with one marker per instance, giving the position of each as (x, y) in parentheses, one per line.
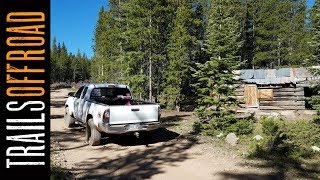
(109, 109)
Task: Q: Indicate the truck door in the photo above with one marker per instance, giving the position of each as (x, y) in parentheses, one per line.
(77, 101)
(81, 108)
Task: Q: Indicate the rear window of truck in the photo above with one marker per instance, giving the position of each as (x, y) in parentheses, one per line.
(109, 92)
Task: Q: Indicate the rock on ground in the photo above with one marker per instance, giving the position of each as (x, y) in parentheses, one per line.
(232, 139)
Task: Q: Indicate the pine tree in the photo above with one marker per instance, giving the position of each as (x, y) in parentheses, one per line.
(106, 67)
(315, 57)
(266, 26)
(247, 34)
(99, 47)
(64, 64)
(280, 33)
(54, 57)
(118, 24)
(293, 32)
(215, 77)
(145, 47)
(180, 48)
(75, 66)
(84, 66)
(134, 72)
(315, 32)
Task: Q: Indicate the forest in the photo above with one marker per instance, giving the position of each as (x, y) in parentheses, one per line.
(67, 67)
(179, 51)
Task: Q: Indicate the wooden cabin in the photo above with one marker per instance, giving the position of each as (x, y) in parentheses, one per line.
(274, 89)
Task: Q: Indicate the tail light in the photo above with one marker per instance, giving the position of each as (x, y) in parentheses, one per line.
(106, 116)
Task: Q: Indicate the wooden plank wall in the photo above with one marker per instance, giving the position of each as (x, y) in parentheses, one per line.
(283, 98)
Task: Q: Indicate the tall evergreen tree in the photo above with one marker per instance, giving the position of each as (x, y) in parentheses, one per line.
(180, 47)
(293, 32)
(54, 57)
(247, 34)
(279, 32)
(76, 66)
(145, 45)
(315, 32)
(315, 57)
(266, 27)
(64, 64)
(215, 77)
(106, 48)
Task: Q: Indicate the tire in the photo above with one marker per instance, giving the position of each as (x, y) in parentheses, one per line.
(93, 136)
(68, 119)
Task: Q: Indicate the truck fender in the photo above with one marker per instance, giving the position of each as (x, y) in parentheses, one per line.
(69, 103)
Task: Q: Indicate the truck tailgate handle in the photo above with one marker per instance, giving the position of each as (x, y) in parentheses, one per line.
(135, 109)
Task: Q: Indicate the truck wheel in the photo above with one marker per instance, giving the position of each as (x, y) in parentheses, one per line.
(68, 119)
(93, 136)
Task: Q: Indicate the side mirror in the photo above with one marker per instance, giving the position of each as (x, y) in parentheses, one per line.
(71, 93)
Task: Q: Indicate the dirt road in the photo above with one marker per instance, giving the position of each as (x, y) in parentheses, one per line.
(163, 154)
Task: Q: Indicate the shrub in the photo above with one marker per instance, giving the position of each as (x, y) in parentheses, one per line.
(241, 127)
(226, 124)
(272, 129)
(315, 102)
(197, 127)
(270, 126)
(291, 139)
(60, 85)
(300, 136)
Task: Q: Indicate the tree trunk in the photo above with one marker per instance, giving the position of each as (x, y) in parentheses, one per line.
(120, 42)
(150, 60)
(279, 45)
(102, 70)
(74, 74)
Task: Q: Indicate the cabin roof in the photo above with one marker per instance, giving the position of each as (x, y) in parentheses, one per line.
(275, 76)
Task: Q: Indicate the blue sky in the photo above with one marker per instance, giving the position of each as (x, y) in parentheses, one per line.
(73, 21)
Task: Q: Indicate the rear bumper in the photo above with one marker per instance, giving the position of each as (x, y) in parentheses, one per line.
(124, 128)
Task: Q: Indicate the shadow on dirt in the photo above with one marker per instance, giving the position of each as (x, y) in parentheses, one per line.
(134, 164)
(57, 104)
(283, 168)
(73, 135)
(59, 116)
(137, 164)
(146, 138)
(77, 134)
(248, 176)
